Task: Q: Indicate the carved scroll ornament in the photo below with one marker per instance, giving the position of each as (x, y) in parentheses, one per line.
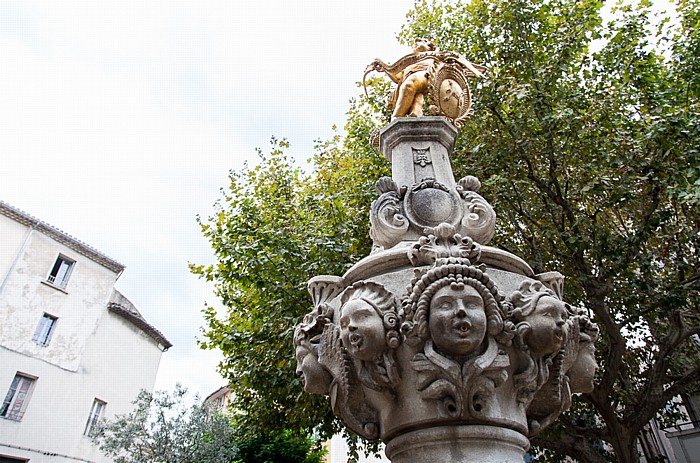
(467, 351)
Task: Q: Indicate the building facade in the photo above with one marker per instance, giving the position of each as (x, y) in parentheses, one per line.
(220, 399)
(73, 350)
(679, 443)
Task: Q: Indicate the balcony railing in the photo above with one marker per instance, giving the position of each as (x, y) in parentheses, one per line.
(13, 415)
(58, 283)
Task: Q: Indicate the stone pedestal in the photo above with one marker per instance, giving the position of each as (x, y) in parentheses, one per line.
(443, 347)
(422, 191)
(465, 444)
(416, 156)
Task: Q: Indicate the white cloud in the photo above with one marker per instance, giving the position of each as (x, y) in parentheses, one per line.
(119, 122)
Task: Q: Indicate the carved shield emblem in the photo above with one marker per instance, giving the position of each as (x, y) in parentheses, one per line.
(449, 93)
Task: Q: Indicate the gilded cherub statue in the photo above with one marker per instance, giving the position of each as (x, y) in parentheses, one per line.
(439, 75)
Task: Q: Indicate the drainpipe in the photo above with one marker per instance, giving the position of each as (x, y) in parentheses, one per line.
(17, 257)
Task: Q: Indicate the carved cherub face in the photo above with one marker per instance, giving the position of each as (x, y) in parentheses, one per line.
(457, 319)
(582, 372)
(546, 333)
(316, 379)
(362, 330)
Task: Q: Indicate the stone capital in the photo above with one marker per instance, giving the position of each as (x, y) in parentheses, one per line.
(439, 345)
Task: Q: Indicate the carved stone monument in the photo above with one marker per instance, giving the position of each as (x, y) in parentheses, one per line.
(441, 346)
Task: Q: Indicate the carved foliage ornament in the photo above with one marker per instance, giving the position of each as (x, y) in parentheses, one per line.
(460, 390)
(478, 218)
(389, 224)
(442, 243)
(463, 346)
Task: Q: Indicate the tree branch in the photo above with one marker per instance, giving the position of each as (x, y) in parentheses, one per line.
(577, 447)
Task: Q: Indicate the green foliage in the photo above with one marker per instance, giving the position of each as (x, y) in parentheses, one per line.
(586, 138)
(162, 428)
(279, 448)
(274, 229)
(585, 135)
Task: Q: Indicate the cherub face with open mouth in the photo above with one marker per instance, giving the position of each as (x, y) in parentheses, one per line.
(457, 319)
(362, 330)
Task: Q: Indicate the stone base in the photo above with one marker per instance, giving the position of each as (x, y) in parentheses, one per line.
(458, 444)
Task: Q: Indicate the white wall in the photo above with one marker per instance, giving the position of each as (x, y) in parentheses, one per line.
(93, 353)
(26, 297)
(119, 360)
(338, 453)
(13, 234)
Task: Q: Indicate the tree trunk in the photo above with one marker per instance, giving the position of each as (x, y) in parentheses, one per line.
(624, 445)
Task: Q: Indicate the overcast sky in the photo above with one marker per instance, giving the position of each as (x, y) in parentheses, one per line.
(119, 122)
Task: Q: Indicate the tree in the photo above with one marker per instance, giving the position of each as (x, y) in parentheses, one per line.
(586, 137)
(591, 158)
(275, 228)
(162, 428)
(283, 447)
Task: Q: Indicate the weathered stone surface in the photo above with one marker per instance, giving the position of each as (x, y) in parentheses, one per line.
(474, 443)
(416, 155)
(443, 347)
(422, 192)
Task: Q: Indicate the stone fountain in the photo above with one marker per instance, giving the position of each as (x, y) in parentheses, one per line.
(444, 348)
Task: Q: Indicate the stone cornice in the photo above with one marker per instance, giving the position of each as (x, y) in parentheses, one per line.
(60, 236)
(138, 320)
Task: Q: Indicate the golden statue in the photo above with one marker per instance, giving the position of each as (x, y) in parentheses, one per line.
(441, 76)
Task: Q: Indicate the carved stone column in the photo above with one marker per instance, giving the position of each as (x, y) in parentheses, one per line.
(470, 443)
(443, 347)
(419, 155)
(422, 191)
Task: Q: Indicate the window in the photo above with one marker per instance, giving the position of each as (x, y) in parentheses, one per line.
(17, 397)
(61, 271)
(96, 412)
(43, 332)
